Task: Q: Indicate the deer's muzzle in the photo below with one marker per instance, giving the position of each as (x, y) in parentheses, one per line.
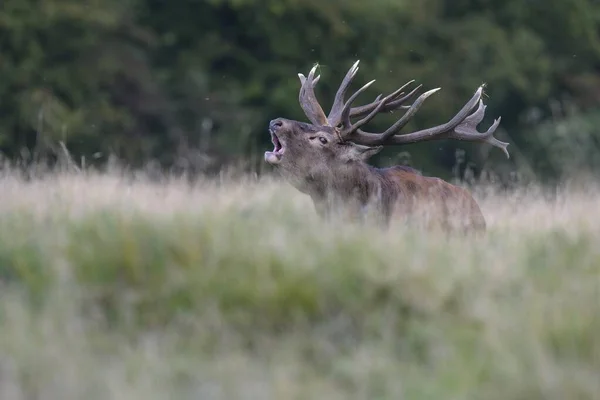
(274, 157)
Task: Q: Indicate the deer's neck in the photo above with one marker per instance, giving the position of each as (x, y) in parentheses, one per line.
(353, 188)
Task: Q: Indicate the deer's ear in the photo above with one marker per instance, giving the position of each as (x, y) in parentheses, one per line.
(359, 152)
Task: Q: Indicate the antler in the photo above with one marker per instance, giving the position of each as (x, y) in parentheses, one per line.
(308, 100)
(311, 106)
(463, 126)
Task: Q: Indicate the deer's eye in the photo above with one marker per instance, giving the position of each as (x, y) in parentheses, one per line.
(323, 140)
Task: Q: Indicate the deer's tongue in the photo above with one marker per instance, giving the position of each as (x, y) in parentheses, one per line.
(272, 157)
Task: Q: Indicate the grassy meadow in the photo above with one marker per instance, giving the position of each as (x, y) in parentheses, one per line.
(113, 288)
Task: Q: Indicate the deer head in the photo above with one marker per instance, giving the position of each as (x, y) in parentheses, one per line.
(320, 150)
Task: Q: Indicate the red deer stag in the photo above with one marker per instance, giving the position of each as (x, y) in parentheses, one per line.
(326, 159)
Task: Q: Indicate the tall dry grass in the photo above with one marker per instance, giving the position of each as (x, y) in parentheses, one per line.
(119, 288)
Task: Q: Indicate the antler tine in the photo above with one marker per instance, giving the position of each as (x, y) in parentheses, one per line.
(467, 130)
(345, 114)
(308, 100)
(379, 106)
(393, 103)
(401, 123)
(338, 111)
(338, 101)
(463, 126)
(303, 79)
(398, 103)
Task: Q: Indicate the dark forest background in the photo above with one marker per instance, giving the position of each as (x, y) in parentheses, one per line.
(192, 84)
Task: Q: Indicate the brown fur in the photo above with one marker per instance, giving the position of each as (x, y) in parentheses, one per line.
(434, 201)
(334, 173)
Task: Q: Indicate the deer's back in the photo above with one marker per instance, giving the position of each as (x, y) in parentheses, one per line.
(432, 200)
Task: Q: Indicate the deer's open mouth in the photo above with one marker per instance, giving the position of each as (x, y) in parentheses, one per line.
(274, 157)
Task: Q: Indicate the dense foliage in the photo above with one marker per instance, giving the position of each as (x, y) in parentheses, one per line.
(192, 83)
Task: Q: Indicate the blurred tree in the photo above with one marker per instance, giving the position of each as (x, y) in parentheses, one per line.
(72, 71)
(192, 84)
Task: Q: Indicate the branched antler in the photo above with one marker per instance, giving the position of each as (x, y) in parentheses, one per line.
(463, 126)
(308, 99)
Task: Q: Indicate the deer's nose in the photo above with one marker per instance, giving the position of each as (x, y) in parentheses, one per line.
(276, 124)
